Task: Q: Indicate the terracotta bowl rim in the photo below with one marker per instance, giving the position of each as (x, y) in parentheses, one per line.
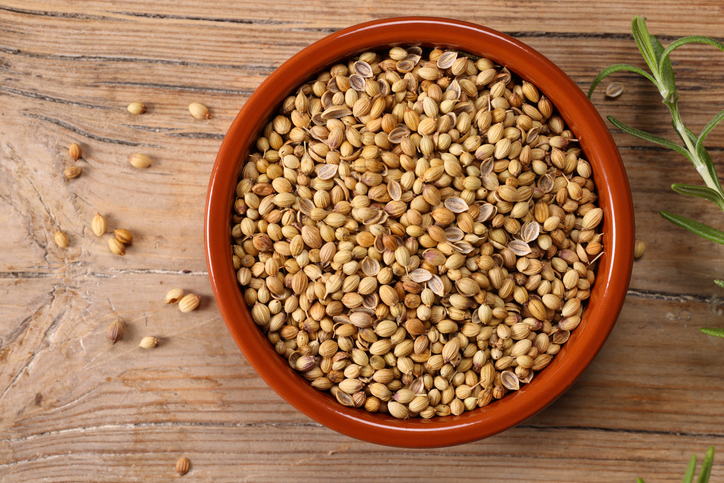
(614, 269)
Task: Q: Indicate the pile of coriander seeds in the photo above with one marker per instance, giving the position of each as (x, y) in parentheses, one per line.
(415, 230)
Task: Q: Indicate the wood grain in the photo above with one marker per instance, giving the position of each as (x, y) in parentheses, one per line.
(75, 408)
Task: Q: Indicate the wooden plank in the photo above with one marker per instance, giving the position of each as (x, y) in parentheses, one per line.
(645, 389)
(75, 408)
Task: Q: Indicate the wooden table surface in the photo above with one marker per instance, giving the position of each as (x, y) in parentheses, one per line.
(75, 408)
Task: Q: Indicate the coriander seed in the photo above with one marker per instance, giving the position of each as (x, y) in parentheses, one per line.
(115, 331)
(124, 236)
(61, 239)
(183, 465)
(75, 152)
(98, 225)
(72, 172)
(148, 342)
(174, 295)
(140, 161)
(117, 248)
(639, 248)
(136, 108)
(199, 111)
(189, 302)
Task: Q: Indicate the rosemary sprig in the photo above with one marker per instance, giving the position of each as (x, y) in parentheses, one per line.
(662, 76)
(705, 472)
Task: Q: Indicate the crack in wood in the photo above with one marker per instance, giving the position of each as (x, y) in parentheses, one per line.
(81, 132)
(682, 298)
(46, 13)
(153, 85)
(197, 135)
(44, 97)
(135, 60)
(46, 335)
(157, 271)
(244, 21)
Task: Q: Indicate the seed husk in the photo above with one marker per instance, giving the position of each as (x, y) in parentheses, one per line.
(136, 108)
(614, 89)
(148, 342)
(174, 295)
(199, 111)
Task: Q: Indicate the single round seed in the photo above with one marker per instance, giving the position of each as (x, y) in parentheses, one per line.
(189, 302)
(136, 108)
(61, 239)
(199, 111)
(124, 236)
(98, 225)
(117, 248)
(75, 152)
(115, 331)
(72, 172)
(139, 161)
(183, 465)
(148, 342)
(639, 248)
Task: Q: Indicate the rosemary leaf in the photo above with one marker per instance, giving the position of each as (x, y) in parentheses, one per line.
(700, 192)
(643, 41)
(692, 39)
(712, 331)
(665, 71)
(708, 128)
(704, 231)
(649, 137)
(705, 472)
(690, 470)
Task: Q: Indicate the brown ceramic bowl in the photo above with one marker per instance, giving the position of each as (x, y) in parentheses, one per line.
(614, 269)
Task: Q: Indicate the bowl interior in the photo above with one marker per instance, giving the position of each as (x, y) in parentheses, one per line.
(613, 273)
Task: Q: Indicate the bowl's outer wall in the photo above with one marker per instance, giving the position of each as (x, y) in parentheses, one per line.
(613, 274)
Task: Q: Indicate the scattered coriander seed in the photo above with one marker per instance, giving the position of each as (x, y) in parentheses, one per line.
(639, 248)
(183, 465)
(614, 89)
(124, 236)
(136, 108)
(199, 111)
(72, 172)
(189, 302)
(139, 161)
(75, 152)
(117, 248)
(148, 342)
(174, 295)
(98, 225)
(115, 331)
(61, 239)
